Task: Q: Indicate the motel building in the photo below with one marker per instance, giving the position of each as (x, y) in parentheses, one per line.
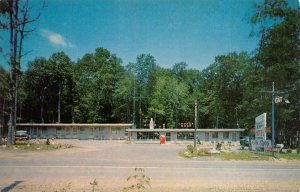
(127, 131)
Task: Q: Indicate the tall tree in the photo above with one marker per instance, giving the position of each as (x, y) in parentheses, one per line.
(4, 77)
(96, 78)
(38, 79)
(144, 73)
(62, 76)
(278, 53)
(224, 89)
(18, 20)
(169, 99)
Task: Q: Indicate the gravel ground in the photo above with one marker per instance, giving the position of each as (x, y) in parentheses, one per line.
(111, 162)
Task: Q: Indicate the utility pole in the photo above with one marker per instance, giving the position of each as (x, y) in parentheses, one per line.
(133, 118)
(236, 116)
(273, 116)
(273, 109)
(196, 119)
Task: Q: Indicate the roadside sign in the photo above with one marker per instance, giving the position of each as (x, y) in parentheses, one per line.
(260, 124)
(278, 99)
(260, 143)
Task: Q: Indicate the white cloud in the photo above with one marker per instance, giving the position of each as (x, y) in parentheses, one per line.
(56, 38)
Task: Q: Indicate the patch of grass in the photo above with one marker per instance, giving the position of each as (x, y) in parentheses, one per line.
(37, 146)
(290, 156)
(243, 155)
(191, 152)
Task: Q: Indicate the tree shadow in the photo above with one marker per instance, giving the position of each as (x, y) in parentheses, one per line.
(11, 186)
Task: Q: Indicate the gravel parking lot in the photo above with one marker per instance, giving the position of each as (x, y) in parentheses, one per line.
(111, 162)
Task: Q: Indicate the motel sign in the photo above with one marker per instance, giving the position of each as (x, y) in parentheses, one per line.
(260, 125)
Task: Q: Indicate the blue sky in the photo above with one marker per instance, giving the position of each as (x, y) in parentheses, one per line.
(193, 31)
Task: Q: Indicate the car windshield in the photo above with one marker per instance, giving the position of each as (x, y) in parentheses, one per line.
(21, 132)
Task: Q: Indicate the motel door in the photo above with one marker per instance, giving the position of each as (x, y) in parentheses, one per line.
(206, 136)
(91, 133)
(83, 134)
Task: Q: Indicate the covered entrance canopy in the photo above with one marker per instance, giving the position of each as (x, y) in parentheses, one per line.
(203, 135)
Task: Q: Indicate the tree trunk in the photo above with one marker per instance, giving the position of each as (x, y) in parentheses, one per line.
(1, 116)
(298, 132)
(42, 108)
(58, 107)
(13, 24)
(12, 117)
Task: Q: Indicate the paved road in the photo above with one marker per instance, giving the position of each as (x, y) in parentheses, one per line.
(111, 162)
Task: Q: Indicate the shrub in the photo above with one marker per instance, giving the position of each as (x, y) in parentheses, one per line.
(139, 179)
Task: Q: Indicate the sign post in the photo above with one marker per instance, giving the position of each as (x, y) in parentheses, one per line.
(196, 120)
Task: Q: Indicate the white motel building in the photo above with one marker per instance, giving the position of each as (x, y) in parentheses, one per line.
(125, 131)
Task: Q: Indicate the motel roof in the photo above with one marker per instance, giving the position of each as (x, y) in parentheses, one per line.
(117, 125)
(185, 130)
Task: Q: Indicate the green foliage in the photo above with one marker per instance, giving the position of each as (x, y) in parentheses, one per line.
(94, 185)
(224, 89)
(4, 98)
(139, 181)
(169, 99)
(97, 77)
(98, 89)
(47, 80)
(278, 55)
(192, 152)
(48, 141)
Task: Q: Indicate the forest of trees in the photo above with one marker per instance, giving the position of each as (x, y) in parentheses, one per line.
(99, 88)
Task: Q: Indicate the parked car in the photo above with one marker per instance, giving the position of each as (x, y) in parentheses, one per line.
(245, 141)
(22, 135)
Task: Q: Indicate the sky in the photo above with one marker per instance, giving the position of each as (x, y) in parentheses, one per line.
(173, 31)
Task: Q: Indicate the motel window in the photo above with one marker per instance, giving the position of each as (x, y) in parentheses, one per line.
(185, 136)
(114, 130)
(214, 135)
(226, 135)
(148, 135)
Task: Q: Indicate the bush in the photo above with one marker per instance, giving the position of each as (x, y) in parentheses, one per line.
(191, 148)
(139, 181)
(191, 151)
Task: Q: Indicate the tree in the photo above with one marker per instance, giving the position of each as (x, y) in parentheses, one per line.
(178, 70)
(224, 90)
(144, 75)
(4, 77)
(17, 13)
(96, 78)
(123, 97)
(278, 53)
(168, 100)
(62, 76)
(38, 80)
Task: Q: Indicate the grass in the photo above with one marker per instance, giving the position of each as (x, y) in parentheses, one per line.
(243, 155)
(191, 152)
(39, 146)
(290, 156)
